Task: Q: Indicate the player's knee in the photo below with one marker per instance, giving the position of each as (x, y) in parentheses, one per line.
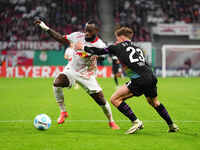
(61, 81)
(154, 103)
(150, 103)
(113, 100)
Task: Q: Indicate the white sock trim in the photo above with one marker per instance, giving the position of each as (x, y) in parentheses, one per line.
(58, 93)
(107, 111)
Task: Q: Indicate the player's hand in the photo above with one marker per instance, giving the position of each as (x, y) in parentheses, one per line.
(41, 24)
(37, 22)
(78, 46)
(117, 42)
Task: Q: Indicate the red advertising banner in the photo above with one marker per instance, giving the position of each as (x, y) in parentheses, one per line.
(44, 71)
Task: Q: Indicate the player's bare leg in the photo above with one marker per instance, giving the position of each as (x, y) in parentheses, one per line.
(118, 100)
(60, 82)
(162, 111)
(100, 100)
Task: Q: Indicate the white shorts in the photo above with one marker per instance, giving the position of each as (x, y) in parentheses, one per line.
(90, 85)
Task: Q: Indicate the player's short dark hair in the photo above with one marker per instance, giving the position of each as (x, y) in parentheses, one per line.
(126, 31)
(93, 22)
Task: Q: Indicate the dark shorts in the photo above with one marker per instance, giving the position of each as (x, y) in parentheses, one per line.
(146, 86)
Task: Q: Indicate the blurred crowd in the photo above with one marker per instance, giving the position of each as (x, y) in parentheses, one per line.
(171, 11)
(133, 13)
(140, 14)
(65, 16)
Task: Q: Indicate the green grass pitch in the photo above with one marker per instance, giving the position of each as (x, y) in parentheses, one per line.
(86, 128)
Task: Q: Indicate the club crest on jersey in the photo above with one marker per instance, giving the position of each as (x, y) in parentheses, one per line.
(82, 54)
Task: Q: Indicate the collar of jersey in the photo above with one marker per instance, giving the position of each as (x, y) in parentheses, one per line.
(94, 40)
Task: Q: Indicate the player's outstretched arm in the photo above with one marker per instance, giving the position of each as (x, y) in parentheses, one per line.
(91, 50)
(57, 36)
(96, 51)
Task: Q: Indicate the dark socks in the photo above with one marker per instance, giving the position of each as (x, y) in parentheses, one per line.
(116, 80)
(163, 113)
(126, 110)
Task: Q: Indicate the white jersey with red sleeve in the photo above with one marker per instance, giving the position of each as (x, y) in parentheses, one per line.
(81, 61)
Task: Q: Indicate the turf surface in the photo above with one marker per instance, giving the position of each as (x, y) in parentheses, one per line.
(86, 128)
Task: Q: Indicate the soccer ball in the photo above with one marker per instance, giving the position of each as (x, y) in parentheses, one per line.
(42, 122)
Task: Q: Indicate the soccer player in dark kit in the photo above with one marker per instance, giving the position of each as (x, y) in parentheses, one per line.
(142, 80)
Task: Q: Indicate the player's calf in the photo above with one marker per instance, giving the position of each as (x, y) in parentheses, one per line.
(100, 100)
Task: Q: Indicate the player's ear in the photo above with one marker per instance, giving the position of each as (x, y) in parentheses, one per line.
(97, 30)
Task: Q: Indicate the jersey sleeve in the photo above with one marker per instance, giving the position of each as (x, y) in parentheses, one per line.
(99, 51)
(112, 49)
(72, 37)
(68, 53)
(101, 44)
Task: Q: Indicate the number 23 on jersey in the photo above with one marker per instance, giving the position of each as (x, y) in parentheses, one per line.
(138, 58)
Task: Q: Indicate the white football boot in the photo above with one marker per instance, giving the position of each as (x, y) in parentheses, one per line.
(137, 125)
(173, 128)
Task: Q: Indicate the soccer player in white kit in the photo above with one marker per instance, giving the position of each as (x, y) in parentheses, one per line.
(81, 68)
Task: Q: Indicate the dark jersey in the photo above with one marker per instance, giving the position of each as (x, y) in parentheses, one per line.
(130, 56)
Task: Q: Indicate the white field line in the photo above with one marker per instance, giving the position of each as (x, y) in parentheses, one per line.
(94, 121)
